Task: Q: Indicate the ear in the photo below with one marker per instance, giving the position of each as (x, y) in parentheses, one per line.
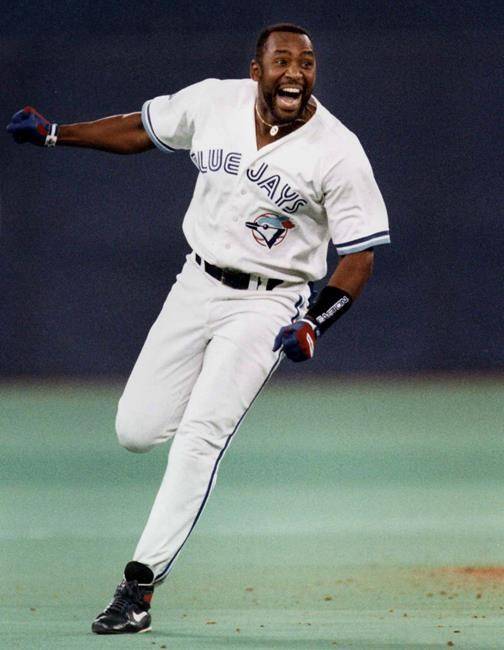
(255, 70)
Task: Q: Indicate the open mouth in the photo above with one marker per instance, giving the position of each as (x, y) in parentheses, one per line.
(289, 98)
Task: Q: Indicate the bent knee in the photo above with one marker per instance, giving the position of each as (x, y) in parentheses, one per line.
(131, 434)
(139, 432)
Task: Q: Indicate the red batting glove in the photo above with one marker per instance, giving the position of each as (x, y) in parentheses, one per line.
(297, 340)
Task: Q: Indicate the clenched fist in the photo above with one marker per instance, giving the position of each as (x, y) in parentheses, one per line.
(297, 340)
(28, 125)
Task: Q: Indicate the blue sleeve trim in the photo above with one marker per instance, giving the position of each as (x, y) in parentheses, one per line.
(147, 123)
(362, 239)
(361, 244)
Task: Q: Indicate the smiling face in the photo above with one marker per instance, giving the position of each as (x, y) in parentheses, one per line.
(285, 75)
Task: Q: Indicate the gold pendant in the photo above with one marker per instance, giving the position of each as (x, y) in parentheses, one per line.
(274, 130)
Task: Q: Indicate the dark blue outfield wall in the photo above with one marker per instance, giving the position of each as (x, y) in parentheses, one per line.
(91, 242)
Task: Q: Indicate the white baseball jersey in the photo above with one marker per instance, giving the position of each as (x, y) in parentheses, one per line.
(271, 211)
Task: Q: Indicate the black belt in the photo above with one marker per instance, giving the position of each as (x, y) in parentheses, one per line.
(237, 279)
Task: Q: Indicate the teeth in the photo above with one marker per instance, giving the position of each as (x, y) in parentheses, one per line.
(291, 90)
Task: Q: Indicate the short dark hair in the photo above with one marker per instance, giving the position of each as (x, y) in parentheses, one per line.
(278, 27)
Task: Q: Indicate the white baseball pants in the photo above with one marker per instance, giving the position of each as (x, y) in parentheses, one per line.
(204, 361)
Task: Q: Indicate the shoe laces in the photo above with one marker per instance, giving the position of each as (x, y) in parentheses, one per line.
(126, 594)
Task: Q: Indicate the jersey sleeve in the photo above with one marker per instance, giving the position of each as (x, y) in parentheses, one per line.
(356, 213)
(170, 120)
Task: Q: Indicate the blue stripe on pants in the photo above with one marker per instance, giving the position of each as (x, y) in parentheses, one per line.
(165, 571)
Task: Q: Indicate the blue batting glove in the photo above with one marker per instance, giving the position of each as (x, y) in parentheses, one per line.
(297, 340)
(28, 125)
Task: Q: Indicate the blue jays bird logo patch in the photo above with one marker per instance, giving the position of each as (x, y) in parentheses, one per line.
(270, 229)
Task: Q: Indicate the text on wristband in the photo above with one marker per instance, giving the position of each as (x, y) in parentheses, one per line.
(321, 318)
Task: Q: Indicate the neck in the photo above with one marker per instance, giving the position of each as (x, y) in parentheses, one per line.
(274, 127)
(266, 120)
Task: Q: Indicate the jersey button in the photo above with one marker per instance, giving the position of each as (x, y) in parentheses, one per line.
(243, 191)
(235, 219)
(227, 246)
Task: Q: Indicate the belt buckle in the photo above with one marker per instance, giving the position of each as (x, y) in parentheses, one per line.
(226, 273)
(231, 278)
(256, 282)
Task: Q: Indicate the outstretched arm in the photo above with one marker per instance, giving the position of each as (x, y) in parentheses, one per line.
(117, 134)
(122, 134)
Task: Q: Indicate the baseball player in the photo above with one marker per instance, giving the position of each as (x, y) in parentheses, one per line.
(278, 178)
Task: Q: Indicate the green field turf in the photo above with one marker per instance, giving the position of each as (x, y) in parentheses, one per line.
(347, 514)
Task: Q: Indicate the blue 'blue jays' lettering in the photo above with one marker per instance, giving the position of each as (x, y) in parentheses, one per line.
(214, 159)
(270, 184)
(201, 163)
(287, 198)
(232, 163)
(282, 194)
(256, 175)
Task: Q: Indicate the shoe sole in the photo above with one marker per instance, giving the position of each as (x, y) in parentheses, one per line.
(146, 629)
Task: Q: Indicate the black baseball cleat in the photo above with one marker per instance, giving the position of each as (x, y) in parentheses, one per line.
(128, 611)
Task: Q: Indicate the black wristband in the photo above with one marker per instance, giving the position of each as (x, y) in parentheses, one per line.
(331, 304)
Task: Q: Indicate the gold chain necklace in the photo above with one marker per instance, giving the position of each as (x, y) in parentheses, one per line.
(274, 128)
